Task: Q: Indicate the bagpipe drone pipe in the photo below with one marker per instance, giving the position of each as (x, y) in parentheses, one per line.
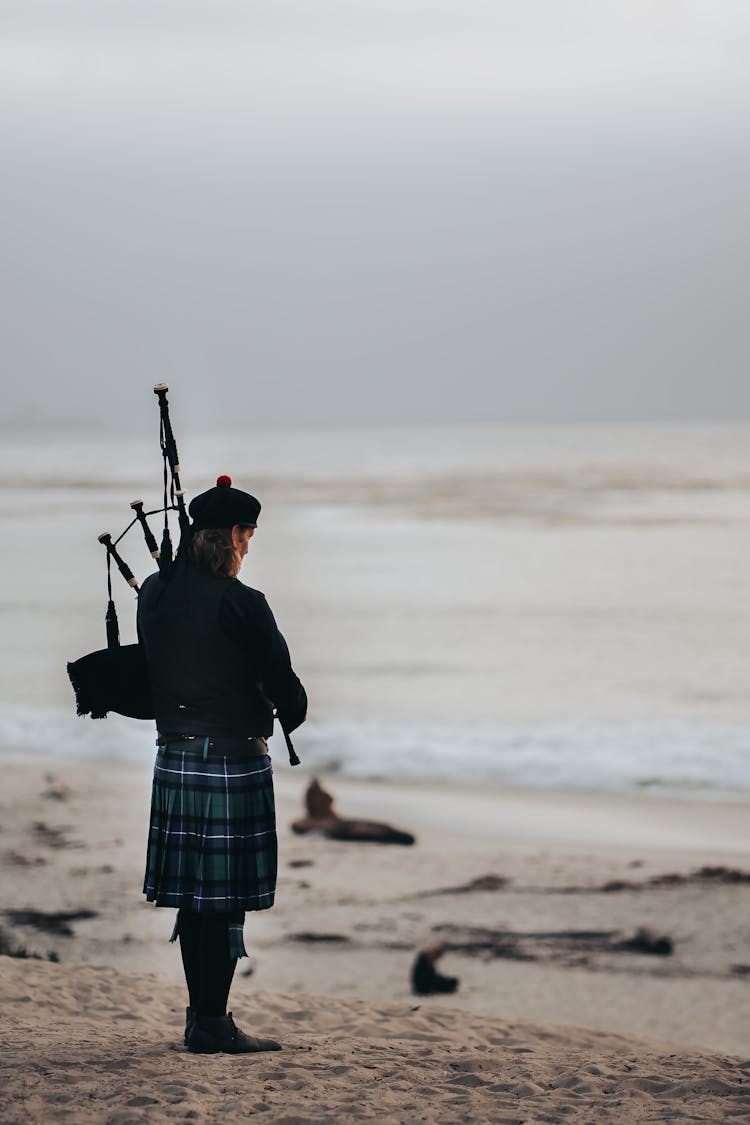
(115, 678)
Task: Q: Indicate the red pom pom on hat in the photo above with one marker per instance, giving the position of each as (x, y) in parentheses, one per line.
(223, 481)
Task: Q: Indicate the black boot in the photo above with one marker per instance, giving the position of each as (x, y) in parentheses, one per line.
(190, 1016)
(211, 1034)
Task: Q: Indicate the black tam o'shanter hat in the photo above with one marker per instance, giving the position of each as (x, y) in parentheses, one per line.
(223, 507)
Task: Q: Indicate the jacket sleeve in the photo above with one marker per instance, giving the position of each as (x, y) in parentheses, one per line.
(247, 615)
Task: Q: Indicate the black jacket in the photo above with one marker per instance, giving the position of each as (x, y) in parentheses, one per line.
(217, 662)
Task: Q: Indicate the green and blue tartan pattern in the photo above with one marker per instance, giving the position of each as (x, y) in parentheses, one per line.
(212, 835)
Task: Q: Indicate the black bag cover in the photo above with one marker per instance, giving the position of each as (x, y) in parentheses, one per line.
(112, 679)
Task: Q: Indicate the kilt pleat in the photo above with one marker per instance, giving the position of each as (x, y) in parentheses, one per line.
(212, 834)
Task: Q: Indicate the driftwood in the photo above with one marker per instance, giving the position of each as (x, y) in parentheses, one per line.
(557, 945)
(323, 819)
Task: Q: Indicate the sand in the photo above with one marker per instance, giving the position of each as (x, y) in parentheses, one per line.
(94, 1045)
(553, 1020)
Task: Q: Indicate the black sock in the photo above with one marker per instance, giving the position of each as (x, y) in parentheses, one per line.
(189, 930)
(216, 966)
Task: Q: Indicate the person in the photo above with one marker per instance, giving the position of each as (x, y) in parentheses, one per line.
(218, 667)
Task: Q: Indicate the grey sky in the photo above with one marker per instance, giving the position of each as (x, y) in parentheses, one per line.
(375, 211)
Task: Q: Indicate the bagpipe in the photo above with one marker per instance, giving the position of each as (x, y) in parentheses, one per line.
(115, 678)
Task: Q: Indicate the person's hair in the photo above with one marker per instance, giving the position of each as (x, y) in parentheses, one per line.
(213, 549)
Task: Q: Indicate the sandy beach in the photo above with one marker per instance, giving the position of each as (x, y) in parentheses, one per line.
(537, 896)
(104, 1053)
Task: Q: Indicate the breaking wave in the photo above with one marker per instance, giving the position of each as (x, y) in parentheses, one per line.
(707, 760)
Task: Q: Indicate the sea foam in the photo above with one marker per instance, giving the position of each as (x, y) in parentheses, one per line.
(709, 760)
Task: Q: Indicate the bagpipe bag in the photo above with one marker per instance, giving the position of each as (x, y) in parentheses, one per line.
(112, 679)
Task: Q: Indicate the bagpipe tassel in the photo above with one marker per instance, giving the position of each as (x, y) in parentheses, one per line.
(112, 626)
(165, 555)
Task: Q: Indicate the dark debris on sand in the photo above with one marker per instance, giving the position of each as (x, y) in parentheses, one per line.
(18, 859)
(480, 883)
(50, 921)
(8, 949)
(53, 837)
(311, 937)
(566, 946)
(708, 875)
(715, 875)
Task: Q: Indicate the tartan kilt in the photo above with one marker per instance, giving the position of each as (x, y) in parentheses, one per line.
(212, 834)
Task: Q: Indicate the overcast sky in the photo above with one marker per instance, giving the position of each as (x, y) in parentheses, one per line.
(373, 211)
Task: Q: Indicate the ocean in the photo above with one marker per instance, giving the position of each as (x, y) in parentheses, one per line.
(529, 606)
